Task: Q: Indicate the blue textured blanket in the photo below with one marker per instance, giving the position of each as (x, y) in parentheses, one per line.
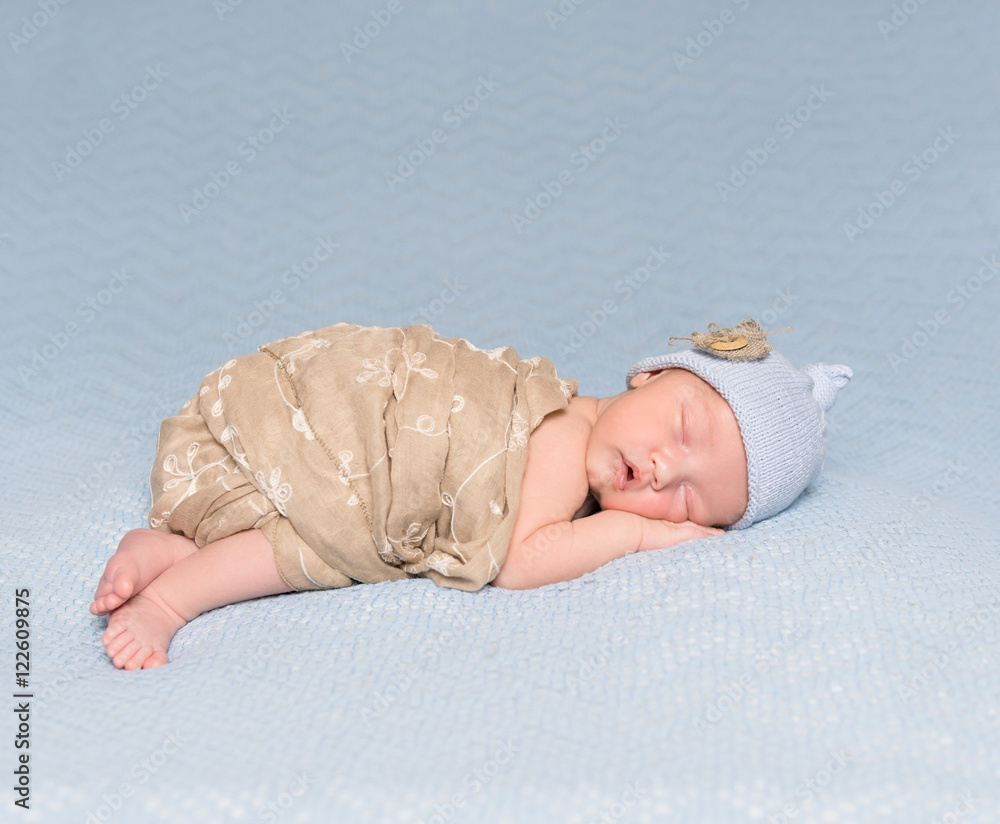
(581, 180)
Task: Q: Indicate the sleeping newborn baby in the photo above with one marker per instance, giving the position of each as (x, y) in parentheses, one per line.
(361, 454)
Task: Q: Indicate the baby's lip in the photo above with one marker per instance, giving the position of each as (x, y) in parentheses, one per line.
(623, 479)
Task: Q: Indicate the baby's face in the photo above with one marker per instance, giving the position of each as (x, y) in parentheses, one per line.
(669, 449)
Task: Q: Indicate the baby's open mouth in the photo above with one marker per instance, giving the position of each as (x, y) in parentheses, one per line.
(625, 475)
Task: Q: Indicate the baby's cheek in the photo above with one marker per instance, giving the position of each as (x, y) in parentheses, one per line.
(644, 506)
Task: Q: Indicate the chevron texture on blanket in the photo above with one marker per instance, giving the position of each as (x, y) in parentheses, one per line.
(182, 182)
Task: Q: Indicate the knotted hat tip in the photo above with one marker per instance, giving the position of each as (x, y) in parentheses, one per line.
(828, 380)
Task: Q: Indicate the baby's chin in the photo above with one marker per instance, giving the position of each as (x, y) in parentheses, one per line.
(600, 484)
(608, 497)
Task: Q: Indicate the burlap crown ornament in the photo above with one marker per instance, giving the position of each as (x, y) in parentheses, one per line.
(745, 341)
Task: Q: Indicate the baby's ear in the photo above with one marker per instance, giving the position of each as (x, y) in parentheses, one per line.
(642, 377)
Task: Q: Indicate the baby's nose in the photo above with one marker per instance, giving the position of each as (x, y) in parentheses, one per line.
(662, 470)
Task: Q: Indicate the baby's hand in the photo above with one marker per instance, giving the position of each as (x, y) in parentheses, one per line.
(660, 534)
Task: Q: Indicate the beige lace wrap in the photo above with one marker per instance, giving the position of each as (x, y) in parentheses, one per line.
(364, 454)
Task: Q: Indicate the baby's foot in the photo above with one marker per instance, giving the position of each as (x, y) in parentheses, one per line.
(142, 555)
(139, 631)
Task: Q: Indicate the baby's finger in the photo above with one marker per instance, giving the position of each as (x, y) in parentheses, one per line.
(708, 530)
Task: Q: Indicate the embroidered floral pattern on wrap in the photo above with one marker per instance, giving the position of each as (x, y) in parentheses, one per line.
(364, 454)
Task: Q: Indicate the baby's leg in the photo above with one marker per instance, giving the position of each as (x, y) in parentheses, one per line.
(142, 555)
(232, 569)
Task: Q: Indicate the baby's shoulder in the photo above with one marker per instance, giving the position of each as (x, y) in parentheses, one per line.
(559, 442)
(569, 423)
(554, 484)
(581, 407)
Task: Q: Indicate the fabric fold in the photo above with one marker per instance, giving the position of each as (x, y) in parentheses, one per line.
(366, 454)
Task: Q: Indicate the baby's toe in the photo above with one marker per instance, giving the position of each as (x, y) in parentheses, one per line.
(138, 659)
(104, 605)
(116, 642)
(126, 653)
(122, 587)
(115, 628)
(157, 659)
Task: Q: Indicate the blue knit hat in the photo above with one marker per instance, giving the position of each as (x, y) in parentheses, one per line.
(780, 409)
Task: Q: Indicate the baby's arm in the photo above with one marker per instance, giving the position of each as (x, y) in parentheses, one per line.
(564, 550)
(547, 545)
